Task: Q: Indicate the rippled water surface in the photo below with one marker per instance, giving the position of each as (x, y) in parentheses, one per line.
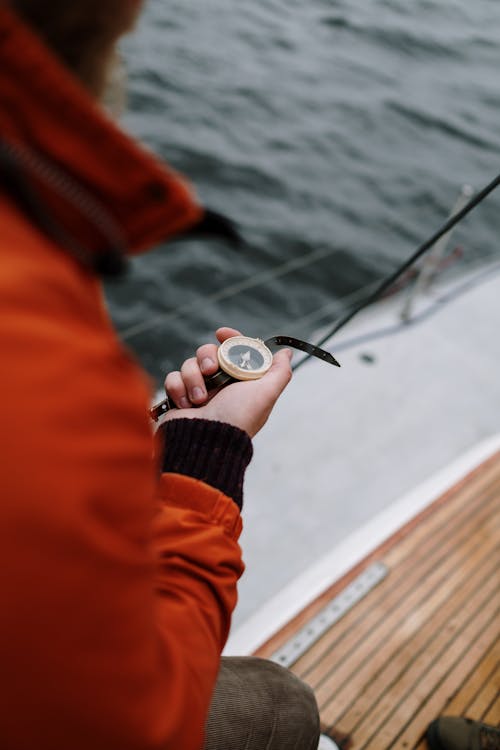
(337, 134)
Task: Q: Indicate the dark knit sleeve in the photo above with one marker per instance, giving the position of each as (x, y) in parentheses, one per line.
(215, 452)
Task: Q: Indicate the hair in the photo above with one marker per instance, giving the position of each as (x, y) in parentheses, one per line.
(82, 33)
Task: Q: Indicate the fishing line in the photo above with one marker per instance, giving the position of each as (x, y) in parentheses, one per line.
(229, 291)
(389, 281)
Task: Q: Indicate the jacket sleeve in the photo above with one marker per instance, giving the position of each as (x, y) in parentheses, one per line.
(117, 593)
(215, 452)
(195, 533)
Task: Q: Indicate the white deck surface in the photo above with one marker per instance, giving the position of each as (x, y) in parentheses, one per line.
(343, 445)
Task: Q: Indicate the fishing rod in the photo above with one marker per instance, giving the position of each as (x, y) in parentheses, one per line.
(389, 281)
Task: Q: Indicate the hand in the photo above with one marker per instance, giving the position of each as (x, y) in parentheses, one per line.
(246, 405)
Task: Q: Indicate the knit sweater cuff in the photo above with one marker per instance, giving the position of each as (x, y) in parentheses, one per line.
(214, 452)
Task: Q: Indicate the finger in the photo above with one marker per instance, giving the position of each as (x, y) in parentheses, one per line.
(226, 333)
(206, 356)
(279, 374)
(193, 381)
(176, 390)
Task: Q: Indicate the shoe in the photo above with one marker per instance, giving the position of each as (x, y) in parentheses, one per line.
(454, 733)
(325, 743)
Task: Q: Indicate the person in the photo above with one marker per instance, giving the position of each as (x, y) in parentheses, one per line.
(461, 733)
(119, 569)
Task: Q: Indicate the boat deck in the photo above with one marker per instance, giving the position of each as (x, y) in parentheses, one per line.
(426, 640)
(345, 445)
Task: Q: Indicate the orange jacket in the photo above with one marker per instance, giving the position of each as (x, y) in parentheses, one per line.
(116, 589)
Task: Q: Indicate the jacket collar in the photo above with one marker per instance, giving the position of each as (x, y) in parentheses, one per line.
(49, 119)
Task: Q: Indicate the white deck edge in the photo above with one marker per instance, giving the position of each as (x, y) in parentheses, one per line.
(319, 577)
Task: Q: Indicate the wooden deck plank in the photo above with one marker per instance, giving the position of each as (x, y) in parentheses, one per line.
(434, 549)
(394, 599)
(462, 500)
(440, 640)
(428, 666)
(459, 704)
(486, 696)
(431, 705)
(462, 703)
(413, 637)
(492, 715)
(377, 643)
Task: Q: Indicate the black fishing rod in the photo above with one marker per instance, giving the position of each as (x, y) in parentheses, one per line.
(389, 281)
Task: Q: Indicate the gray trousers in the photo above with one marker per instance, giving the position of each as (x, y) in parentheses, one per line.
(258, 705)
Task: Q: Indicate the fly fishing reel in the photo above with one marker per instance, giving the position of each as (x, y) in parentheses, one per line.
(242, 358)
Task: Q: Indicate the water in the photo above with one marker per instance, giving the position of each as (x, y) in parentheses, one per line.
(337, 134)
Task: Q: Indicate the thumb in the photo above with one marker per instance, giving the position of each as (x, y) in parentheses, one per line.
(279, 374)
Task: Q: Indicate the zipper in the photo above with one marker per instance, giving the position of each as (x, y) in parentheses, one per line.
(18, 163)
